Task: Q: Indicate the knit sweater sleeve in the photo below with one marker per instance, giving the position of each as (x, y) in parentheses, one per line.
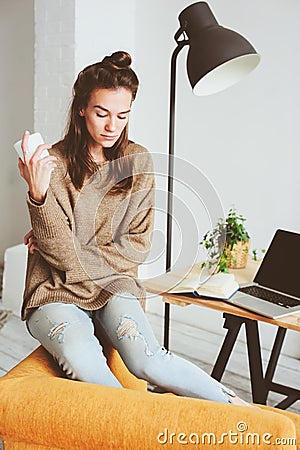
(63, 249)
(52, 230)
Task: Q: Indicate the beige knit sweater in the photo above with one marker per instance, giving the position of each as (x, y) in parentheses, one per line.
(90, 242)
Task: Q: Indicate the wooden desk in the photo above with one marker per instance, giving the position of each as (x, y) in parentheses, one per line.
(261, 383)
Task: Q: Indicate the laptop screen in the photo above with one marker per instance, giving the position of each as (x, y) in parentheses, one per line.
(280, 267)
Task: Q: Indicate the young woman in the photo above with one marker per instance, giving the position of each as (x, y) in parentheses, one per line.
(91, 208)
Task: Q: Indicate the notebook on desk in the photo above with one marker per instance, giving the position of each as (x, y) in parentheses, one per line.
(275, 290)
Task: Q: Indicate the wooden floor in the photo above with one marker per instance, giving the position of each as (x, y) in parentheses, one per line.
(15, 343)
(199, 346)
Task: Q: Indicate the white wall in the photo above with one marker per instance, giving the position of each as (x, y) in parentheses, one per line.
(54, 66)
(101, 30)
(16, 113)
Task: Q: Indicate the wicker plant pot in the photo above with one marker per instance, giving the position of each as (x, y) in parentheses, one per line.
(239, 255)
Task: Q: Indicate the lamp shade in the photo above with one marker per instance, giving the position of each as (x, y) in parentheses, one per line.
(218, 57)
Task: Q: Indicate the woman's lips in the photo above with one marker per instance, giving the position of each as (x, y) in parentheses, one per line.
(108, 137)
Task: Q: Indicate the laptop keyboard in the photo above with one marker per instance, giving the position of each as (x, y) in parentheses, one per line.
(269, 296)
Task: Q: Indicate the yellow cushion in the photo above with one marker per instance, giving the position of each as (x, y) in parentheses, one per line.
(41, 410)
(39, 362)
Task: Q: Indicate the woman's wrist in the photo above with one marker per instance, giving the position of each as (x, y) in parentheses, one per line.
(37, 197)
(36, 200)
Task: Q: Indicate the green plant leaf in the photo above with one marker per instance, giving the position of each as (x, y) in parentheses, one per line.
(220, 240)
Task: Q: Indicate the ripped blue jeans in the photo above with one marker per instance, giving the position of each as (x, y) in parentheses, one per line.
(67, 333)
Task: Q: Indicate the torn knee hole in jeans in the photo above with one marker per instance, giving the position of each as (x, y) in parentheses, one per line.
(57, 332)
(128, 328)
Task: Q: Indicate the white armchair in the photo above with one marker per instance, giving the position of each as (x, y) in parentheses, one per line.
(15, 260)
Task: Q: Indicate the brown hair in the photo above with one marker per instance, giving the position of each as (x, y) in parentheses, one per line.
(112, 72)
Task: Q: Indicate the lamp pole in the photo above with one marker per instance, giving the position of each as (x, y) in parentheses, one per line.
(176, 51)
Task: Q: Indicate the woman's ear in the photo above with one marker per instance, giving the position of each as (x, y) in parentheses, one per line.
(81, 112)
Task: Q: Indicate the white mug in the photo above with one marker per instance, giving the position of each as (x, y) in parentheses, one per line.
(34, 141)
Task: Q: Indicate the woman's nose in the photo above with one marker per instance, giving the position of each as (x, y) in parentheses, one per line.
(111, 124)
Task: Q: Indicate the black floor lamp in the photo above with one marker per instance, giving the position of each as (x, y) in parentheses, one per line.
(217, 58)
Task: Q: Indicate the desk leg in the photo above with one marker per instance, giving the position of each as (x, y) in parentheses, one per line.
(233, 324)
(261, 384)
(258, 385)
(277, 346)
(292, 394)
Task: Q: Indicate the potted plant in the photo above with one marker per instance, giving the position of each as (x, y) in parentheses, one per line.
(228, 243)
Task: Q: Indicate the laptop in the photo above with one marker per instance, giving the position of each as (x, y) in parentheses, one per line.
(275, 290)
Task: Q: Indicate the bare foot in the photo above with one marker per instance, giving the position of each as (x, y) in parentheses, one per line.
(238, 401)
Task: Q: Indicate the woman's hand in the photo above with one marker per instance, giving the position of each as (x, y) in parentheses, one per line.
(35, 170)
(31, 242)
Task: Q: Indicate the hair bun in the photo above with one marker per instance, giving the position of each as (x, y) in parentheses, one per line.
(118, 59)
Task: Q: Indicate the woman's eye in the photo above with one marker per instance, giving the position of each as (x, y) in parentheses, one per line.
(101, 115)
(122, 117)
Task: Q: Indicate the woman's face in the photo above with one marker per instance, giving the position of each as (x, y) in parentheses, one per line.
(106, 116)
